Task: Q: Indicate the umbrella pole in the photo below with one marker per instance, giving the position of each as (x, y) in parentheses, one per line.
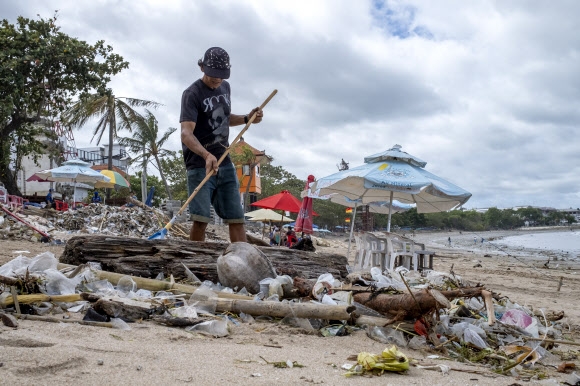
(390, 210)
(350, 237)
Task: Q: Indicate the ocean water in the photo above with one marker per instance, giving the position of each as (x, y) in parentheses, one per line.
(566, 241)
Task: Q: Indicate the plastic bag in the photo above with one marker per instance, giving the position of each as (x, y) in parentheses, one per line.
(55, 283)
(471, 336)
(43, 262)
(517, 318)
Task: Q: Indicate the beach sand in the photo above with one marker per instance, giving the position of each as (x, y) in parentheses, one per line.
(50, 353)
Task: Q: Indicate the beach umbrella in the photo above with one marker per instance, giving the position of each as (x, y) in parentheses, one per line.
(282, 201)
(72, 171)
(381, 207)
(394, 175)
(304, 219)
(116, 180)
(266, 215)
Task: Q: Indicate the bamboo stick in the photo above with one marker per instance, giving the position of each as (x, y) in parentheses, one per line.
(34, 298)
(280, 310)
(156, 285)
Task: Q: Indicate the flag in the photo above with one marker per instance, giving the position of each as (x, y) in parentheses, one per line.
(348, 210)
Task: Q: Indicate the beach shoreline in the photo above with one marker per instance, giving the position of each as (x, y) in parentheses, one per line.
(49, 353)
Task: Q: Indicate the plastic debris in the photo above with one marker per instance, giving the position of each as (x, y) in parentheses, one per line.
(215, 328)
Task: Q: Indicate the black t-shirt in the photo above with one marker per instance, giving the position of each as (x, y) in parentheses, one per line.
(210, 110)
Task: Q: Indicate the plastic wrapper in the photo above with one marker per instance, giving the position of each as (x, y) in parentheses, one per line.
(417, 343)
(387, 335)
(184, 312)
(215, 328)
(120, 324)
(247, 318)
(328, 300)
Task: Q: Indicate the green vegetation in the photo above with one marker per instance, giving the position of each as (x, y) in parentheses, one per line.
(41, 70)
(147, 147)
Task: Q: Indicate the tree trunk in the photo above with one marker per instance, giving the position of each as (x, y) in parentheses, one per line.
(163, 177)
(112, 125)
(148, 258)
(405, 306)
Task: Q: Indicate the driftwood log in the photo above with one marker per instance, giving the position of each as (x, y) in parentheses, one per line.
(406, 306)
(148, 258)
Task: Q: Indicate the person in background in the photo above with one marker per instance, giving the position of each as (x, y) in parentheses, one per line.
(449, 240)
(206, 118)
(49, 199)
(96, 198)
(291, 238)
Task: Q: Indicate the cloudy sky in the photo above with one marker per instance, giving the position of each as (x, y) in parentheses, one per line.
(487, 92)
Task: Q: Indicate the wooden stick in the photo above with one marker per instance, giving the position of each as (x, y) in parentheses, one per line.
(8, 280)
(57, 320)
(411, 292)
(15, 299)
(552, 341)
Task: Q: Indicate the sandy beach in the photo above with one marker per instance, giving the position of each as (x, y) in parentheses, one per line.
(51, 353)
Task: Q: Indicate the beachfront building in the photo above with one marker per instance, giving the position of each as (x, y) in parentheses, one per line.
(248, 160)
(60, 146)
(572, 212)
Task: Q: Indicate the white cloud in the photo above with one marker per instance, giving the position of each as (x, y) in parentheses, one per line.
(486, 92)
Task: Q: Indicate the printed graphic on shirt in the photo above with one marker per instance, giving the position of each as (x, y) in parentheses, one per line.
(218, 109)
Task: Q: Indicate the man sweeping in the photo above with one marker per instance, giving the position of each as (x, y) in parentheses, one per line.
(205, 123)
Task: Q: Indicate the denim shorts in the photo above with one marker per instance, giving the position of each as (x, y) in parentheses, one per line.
(221, 190)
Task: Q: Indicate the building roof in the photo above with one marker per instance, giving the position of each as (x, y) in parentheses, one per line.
(259, 154)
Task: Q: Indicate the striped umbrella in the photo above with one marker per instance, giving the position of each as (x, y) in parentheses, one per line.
(116, 180)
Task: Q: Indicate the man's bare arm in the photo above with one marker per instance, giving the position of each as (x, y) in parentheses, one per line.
(193, 144)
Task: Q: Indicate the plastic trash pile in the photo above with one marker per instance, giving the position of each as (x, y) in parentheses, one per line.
(520, 343)
(93, 218)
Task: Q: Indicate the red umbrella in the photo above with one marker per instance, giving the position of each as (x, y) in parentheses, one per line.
(304, 219)
(281, 201)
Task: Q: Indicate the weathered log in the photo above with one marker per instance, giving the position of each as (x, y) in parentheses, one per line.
(126, 309)
(404, 306)
(148, 258)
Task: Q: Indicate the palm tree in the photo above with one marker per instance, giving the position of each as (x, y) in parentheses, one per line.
(114, 113)
(144, 142)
